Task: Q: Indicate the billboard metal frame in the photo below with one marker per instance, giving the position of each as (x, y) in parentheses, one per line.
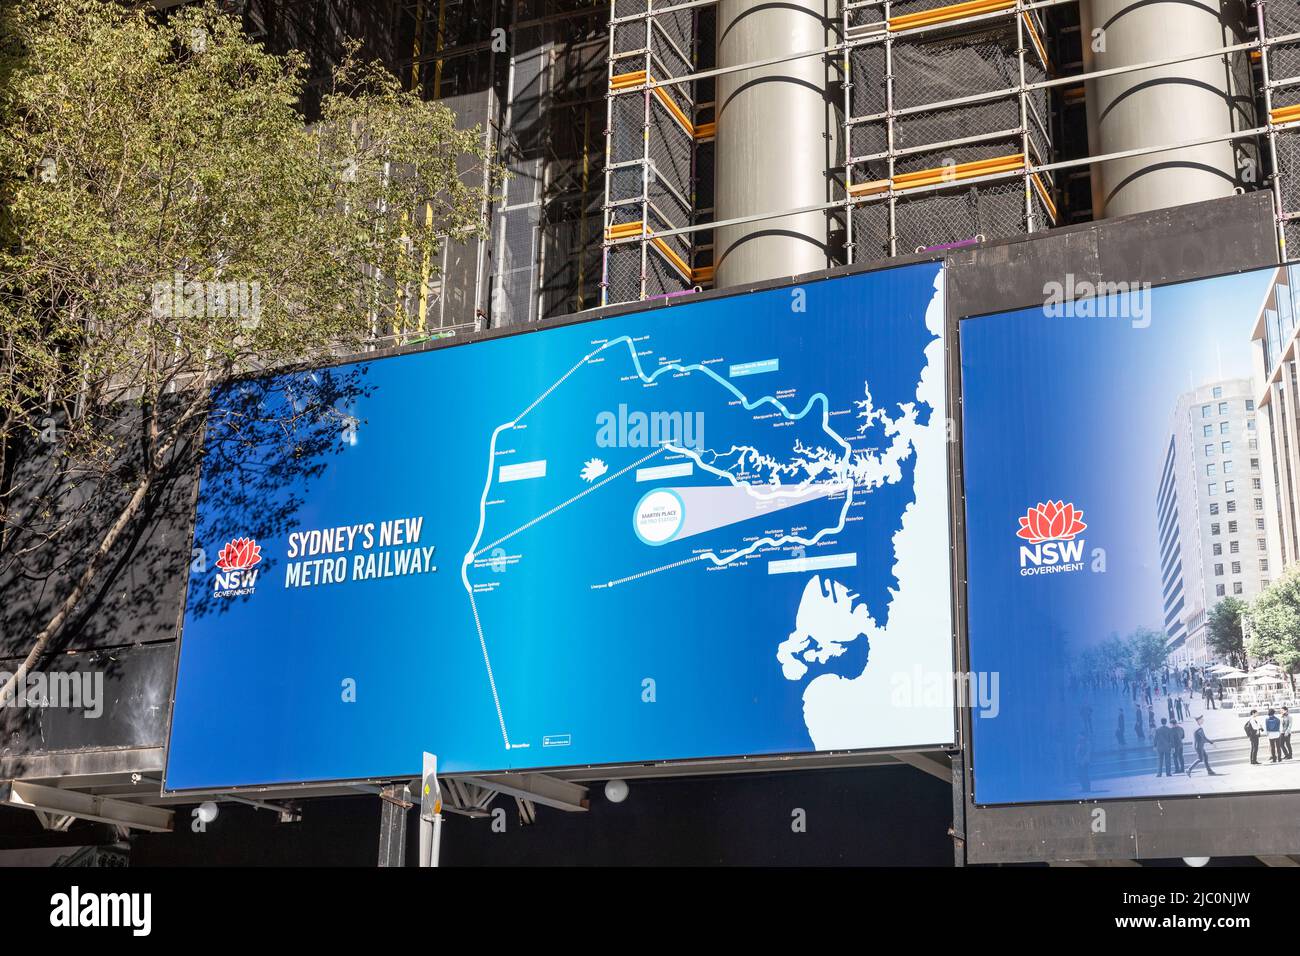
(705, 765)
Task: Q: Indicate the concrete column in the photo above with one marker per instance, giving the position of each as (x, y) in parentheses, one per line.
(1170, 104)
(777, 139)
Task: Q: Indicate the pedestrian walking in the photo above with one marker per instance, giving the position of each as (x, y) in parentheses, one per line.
(1199, 742)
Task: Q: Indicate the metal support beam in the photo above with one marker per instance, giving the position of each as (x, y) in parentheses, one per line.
(51, 802)
(935, 764)
(537, 787)
(392, 825)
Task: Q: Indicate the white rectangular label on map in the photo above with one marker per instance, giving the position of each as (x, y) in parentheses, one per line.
(523, 471)
(796, 565)
(659, 473)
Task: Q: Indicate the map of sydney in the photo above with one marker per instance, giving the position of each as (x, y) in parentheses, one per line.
(747, 473)
(716, 528)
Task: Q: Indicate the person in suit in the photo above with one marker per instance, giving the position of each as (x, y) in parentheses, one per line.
(1178, 709)
(1199, 742)
(1286, 733)
(1137, 722)
(1252, 729)
(1119, 728)
(1164, 750)
(1179, 737)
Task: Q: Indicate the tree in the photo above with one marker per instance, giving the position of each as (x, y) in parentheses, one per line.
(1146, 649)
(1224, 630)
(1118, 655)
(169, 222)
(1273, 622)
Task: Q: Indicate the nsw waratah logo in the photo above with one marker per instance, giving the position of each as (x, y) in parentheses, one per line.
(1052, 530)
(237, 568)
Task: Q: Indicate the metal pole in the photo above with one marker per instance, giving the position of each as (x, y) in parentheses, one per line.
(430, 813)
(437, 840)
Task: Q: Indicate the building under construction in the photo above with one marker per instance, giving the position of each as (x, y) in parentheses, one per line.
(657, 148)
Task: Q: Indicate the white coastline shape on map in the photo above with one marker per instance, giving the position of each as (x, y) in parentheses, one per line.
(829, 618)
(859, 712)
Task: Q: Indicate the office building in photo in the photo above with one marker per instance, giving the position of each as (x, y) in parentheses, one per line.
(1217, 531)
(1276, 392)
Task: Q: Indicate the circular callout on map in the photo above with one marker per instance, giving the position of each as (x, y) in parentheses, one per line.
(658, 516)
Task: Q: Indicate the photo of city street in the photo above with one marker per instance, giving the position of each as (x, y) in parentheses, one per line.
(1154, 599)
(1118, 754)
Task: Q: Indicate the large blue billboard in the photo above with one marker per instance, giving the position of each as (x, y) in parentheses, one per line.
(1121, 512)
(710, 530)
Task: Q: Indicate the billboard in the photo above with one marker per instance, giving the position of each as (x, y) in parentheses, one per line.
(711, 530)
(1120, 486)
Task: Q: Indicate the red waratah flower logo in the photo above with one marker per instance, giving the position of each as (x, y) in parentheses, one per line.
(1051, 521)
(240, 554)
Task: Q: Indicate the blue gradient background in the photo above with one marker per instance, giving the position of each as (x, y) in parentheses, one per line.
(259, 683)
(1076, 409)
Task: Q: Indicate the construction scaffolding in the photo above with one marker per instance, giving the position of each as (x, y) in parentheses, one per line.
(943, 124)
(1278, 63)
(942, 130)
(958, 122)
(658, 151)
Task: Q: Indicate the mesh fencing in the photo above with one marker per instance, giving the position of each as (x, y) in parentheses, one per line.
(956, 155)
(1288, 161)
(990, 210)
(941, 125)
(626, 132)
(623, 272)
(1282, 17)
(871, 232)
(629, 37)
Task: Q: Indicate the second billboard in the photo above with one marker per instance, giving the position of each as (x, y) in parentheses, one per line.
(1126, 460)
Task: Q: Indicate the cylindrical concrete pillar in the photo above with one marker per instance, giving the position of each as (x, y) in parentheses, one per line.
(1170, 104)
(777, 140)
